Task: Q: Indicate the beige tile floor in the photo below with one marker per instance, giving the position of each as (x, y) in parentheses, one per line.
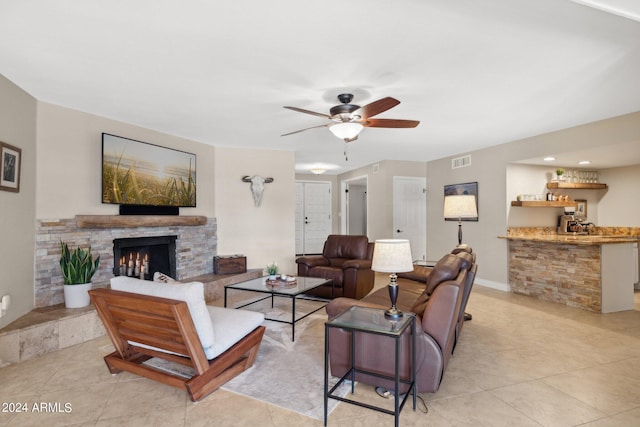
(520, 362)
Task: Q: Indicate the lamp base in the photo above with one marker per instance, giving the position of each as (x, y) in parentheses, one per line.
(393, 314)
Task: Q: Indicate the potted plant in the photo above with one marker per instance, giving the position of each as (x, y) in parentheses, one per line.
(559, 173)
(272, 271)
(78, 267)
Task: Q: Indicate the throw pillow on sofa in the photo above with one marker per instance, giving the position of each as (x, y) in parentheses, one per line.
(163, 278)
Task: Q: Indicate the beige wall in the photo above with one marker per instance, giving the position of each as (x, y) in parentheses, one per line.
(69, 172)
(527, 179)
(380, 192)
(616, 205)
(67, 183)
(63, 146)
(490, 167)
(620, 204)
(17, 218)
(69, 163)
(266, 233)
(335, 196)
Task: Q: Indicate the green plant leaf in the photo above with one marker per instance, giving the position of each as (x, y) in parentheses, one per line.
(77, 267)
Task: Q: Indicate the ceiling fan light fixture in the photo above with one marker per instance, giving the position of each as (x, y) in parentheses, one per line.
(346, 130)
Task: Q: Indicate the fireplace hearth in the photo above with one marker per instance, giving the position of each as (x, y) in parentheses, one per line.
(141, 257)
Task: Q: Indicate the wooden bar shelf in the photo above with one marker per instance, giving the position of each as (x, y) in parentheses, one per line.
(543, 204)
(576, 185)
(130, 221)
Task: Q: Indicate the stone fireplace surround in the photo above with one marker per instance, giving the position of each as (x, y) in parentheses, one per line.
(196, 246)
(51, 327)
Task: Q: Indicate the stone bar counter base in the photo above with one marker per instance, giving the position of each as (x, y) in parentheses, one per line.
(565, 274)
(592, 272)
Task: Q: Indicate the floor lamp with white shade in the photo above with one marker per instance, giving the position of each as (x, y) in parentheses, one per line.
(460, 206)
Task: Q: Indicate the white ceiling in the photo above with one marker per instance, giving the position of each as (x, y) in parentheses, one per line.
(475, 73)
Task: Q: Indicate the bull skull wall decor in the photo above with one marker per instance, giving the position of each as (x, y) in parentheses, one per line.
(257, 186)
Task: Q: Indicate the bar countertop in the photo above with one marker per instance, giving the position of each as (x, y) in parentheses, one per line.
(601, 235)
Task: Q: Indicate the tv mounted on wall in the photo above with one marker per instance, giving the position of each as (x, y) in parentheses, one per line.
(136, 173)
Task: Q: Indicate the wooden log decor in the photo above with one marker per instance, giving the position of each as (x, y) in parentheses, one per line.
(130, 221)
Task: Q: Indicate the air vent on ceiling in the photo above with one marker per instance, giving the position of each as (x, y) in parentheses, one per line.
(461, 162)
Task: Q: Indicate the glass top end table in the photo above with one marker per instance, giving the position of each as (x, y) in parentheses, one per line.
(372, 320)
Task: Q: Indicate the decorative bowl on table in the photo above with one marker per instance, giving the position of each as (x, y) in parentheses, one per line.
(282, 281)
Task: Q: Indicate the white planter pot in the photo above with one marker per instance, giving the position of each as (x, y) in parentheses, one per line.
(76, 296)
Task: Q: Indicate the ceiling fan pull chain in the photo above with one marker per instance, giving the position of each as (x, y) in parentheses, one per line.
(346, 157)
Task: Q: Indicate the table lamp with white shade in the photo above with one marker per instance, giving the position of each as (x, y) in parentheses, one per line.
(392, 256)
(460, 206)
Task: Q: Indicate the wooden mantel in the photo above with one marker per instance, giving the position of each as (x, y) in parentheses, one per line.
(130, 221)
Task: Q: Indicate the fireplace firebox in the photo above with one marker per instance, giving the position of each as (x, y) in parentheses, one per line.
(141, 257)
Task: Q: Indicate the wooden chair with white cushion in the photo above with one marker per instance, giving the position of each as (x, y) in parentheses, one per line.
(171, 322)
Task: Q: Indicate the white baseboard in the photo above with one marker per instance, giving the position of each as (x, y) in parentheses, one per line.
(491, 284)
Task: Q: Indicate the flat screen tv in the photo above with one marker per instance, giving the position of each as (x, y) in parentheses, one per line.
(139, 173)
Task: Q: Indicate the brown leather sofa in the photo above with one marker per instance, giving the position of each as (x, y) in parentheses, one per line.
(438, 305)
(346, 260)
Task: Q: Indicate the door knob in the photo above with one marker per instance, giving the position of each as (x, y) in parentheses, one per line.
(398, 231)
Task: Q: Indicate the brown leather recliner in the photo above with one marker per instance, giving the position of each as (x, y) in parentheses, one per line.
(346, 260)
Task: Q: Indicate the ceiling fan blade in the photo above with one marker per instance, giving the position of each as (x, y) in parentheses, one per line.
(312, 127)
(390, 123)
(313, 113)
(376, 107)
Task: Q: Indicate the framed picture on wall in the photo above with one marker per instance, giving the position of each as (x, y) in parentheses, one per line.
(581, 209)
(10, 158)
(467, 188)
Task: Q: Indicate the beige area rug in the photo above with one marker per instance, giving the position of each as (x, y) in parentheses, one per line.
(286, 374)
(290, 374)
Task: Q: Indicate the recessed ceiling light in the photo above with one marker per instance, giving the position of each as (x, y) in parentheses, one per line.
(584, 162)
(549, 159)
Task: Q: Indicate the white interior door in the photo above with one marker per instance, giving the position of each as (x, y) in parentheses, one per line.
(299, 218)
(410, 213)
(313, 216)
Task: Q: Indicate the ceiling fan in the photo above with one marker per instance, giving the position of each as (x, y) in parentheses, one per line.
(347, 120)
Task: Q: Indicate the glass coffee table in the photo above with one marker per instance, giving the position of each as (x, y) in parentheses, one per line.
(294, 292)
